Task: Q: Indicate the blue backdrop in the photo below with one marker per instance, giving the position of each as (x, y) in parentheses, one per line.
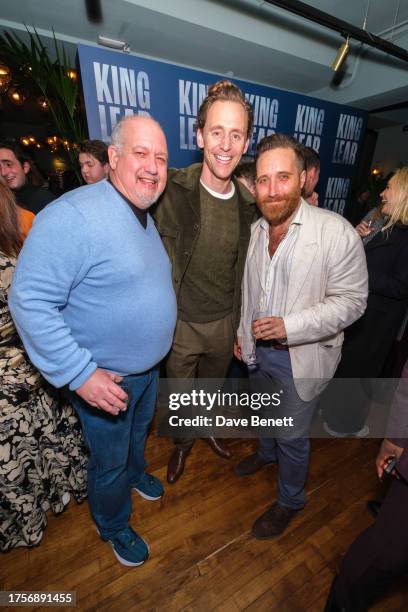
(116, 84)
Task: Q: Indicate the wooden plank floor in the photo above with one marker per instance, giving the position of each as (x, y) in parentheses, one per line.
(202, 555)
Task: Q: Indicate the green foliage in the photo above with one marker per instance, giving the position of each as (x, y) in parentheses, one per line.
(33, 63)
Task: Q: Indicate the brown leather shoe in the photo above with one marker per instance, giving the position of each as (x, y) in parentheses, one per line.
(273, 522)
(219, 448)
(250, 465)
(176, 464)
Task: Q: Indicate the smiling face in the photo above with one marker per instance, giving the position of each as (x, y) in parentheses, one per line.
(91, 168)
(388, 197)
(139, 165)
(13, 172)
(278, 185)
(224, 140)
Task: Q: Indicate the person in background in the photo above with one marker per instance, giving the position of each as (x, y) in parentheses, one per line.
(25, 217)
(369, 340)
(312, 167)
(359, 205)
(379, 555)
(93, 300)
(371, 224)
(204, 219)
(17, 169)
(245, 172)
(93, 160)
(42, 458)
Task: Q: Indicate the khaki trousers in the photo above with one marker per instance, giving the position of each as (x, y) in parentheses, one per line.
(200, 350)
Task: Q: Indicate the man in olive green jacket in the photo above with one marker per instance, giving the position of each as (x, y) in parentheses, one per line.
(204, 219)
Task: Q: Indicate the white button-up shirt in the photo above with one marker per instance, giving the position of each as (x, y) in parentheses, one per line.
(274, 271)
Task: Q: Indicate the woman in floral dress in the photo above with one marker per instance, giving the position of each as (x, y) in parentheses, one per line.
(42, 457)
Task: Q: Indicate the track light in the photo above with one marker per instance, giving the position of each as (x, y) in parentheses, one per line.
(120, 45)
(341, 55)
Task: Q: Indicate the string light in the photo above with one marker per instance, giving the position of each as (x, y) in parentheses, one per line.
(28, 141)
(5, 78)
(52, 140)
(42, 103)
(16, 96)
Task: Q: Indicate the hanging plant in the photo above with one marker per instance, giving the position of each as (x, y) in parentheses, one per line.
(53, 81)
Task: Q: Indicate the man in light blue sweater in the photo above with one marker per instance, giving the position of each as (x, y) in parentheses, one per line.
(93, 301)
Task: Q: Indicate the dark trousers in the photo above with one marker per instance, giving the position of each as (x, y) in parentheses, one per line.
(290, 453)
(378, 556)
(200, 350)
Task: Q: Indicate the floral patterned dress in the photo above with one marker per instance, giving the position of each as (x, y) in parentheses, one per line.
(42, 455)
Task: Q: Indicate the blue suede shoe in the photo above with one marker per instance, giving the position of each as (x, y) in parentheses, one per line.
(129, 548)
(149, 487)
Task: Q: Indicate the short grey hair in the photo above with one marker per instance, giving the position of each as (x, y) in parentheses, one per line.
(117, 132)
(117, 136)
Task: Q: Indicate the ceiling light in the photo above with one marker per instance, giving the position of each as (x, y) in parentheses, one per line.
(341, 55)
(120, 45)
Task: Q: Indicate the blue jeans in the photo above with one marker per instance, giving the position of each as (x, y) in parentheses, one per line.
(116, 445)
(290, 453)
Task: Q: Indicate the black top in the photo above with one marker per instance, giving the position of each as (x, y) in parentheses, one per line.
(33, 198)
(141, 215)
(370, 338)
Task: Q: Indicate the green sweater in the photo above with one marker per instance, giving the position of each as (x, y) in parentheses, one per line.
(207, 291)
(179, 221)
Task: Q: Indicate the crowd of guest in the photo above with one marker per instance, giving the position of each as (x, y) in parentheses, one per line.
(290, 280)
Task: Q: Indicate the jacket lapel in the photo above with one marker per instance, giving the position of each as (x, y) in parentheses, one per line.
(189, 179)
(303, 257)
(255, 256)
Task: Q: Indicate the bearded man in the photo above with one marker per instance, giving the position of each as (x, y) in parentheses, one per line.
(305, 280)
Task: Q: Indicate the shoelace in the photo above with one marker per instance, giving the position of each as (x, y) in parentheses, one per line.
(126, 538)
(148, 480)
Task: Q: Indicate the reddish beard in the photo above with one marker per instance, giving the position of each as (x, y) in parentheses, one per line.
(278, 209)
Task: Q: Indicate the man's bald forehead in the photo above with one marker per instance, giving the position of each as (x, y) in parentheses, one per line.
(133, 121)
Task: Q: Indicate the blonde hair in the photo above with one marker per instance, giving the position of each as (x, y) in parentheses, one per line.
(400, 208)
(11, 238)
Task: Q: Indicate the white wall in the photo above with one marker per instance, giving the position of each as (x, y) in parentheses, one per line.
(391, 149)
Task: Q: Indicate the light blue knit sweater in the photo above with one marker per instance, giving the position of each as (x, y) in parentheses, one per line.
(93, 288)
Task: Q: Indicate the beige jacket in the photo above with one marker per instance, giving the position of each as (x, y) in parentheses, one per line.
(328, 287)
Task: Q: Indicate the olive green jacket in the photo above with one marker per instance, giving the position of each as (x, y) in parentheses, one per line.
(177, 217)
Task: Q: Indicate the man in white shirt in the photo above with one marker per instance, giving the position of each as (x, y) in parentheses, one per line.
(305, 280)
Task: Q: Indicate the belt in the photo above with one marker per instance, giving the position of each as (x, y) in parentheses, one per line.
(274, 344)
(278, 346)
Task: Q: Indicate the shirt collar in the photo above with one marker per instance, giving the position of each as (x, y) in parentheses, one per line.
(219, 196)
